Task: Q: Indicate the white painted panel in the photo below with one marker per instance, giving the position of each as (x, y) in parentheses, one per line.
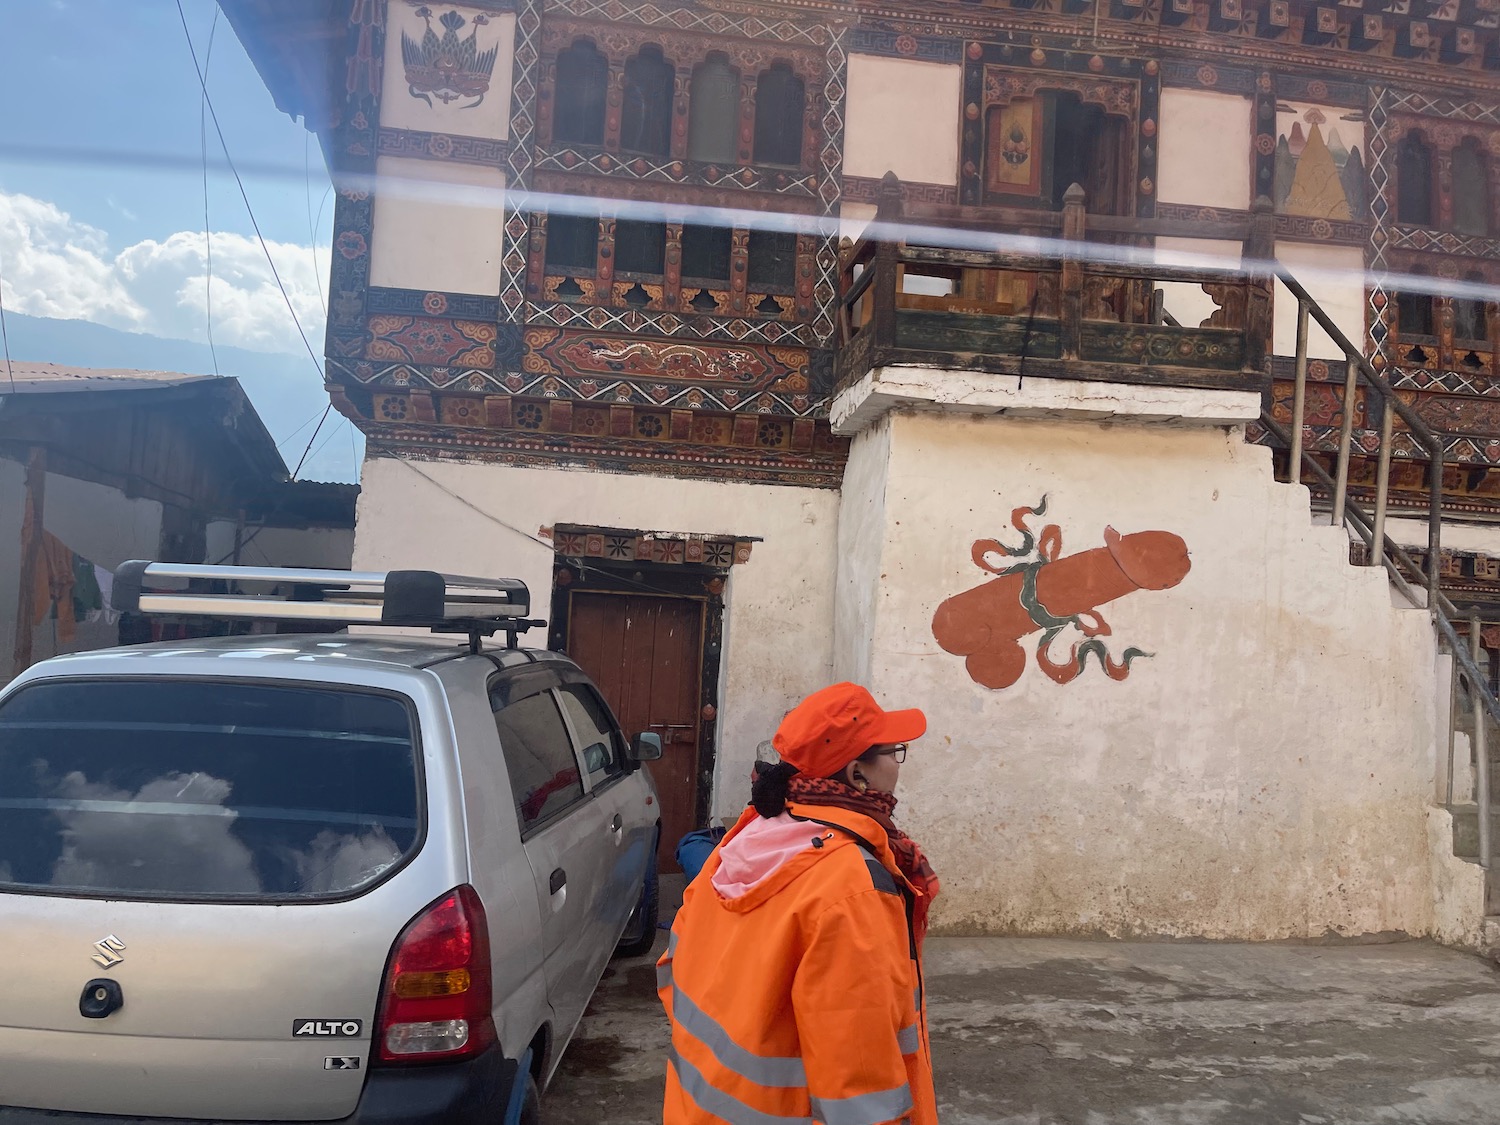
(903, 117)
(778, 624)
(404, 107)
(1335, 277)
(1206, 142)
(438, 226)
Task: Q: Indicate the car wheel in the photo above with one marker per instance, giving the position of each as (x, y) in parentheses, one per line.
(640, 931)
(531, 1104)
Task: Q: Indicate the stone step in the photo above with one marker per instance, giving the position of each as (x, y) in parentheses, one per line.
(1466, 830)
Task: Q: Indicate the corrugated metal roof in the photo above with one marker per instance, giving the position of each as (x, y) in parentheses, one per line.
(53, 378)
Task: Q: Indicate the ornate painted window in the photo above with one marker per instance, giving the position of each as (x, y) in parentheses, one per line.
(646, 115)
(572, 243)
(1039, 146)
(773, 259)
(1469, 320)
(1414, 308)
(706, 252)
(1414, 180)
(578, 106)
(780, 97)
(640, 248)
(1471, 189)
(714, 112)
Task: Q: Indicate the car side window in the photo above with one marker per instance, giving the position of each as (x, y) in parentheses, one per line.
(544, 774)
(599, 742)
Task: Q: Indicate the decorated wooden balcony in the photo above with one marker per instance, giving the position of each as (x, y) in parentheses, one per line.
(1065, 295)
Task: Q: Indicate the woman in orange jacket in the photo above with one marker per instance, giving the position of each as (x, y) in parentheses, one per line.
(793, 975)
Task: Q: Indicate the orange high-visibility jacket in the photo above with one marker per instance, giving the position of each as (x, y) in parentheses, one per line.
(798, 998)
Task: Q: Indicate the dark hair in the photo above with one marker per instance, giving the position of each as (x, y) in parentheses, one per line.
(769, 788)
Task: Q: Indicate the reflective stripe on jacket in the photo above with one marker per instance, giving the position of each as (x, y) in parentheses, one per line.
(799, 1000)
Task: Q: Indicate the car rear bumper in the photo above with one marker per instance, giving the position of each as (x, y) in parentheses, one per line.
(468, 1093)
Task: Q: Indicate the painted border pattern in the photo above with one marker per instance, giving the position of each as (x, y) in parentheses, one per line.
(866, 189)
(452, 147)
(874, 39)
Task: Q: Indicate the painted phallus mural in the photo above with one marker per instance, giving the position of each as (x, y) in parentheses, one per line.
(1048, 592)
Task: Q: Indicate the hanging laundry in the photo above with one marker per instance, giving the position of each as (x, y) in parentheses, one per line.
(54, 580)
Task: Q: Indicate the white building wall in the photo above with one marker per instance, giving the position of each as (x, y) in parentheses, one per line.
(778, 607)
(1265, 774)
(315, 548)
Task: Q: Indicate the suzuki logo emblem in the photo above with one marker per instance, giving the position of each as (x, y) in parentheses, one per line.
(109, 952)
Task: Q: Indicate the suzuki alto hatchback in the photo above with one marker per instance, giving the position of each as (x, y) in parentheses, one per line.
(311, 878)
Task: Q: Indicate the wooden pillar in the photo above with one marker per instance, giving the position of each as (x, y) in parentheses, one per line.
(614, 102)
(31, 556)
(604, 263)
(1070, 288)
(745, 146)
(888, 239)
(671, 280)
(1257, 253)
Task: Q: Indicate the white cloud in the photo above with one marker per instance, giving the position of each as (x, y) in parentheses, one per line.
(57, 266)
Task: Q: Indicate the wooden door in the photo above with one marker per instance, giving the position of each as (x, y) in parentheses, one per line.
(646, 655)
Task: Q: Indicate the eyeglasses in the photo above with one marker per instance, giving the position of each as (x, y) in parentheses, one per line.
(898, 751)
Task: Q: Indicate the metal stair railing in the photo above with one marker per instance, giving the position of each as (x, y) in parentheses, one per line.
(1405, 573)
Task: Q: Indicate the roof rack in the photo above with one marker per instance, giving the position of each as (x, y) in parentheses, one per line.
(444, 603)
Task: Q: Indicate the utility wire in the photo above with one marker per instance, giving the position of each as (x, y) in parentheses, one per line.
(581, 564)
(308, 447)
(312, 225)
(208, 238)
(224, 144)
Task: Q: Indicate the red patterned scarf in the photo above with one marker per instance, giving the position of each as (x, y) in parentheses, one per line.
(878, 807)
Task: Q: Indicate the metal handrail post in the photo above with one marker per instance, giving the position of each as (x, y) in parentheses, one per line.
(1346, 439)
(1481, 752)
(1452, 721)
(1434, 520)
(1299, 393)
(1382, 486)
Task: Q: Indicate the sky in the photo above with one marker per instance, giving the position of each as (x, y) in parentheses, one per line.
(102, 199)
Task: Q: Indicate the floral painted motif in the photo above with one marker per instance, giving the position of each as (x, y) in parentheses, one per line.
(431, 340)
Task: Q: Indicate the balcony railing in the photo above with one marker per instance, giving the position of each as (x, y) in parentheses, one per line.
(1062, 294)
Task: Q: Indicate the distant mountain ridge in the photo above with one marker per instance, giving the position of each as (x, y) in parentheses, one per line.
(286, 390)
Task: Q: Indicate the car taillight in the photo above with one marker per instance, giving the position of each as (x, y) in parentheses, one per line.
(435, 1002)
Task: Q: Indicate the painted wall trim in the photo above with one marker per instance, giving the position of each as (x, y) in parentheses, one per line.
(964, 392)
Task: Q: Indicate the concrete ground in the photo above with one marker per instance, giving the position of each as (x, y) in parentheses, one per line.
(1041, 1031)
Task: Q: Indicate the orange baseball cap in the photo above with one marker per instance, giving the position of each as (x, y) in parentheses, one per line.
(832, 727)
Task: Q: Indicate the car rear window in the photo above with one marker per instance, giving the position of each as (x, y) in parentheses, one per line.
(204, 789)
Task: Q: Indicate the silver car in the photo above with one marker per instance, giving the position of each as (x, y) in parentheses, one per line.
(309, 878)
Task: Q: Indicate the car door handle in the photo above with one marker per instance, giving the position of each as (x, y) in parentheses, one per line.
(557, 881)
(616, 825)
